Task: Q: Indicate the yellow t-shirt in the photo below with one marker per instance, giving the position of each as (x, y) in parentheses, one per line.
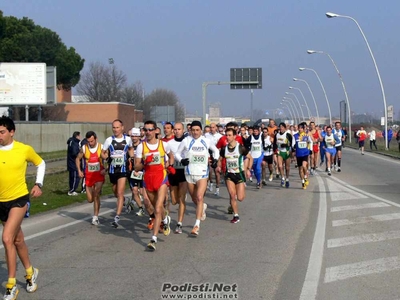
(13, 165)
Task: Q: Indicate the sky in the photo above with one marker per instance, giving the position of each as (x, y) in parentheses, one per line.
(179, 44)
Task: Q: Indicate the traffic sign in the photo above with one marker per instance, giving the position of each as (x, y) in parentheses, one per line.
(245, 78)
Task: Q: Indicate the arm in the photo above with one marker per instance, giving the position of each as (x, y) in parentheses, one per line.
(78, 162)
(181, 149)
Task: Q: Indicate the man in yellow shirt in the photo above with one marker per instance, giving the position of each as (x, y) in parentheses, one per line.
(14, 203)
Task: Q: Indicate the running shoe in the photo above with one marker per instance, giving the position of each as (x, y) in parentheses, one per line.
(258, 185)
(216, 191)
(306, 182)
(166, 227)
(362, 153)
(335, 168)
(152, 245)
(115, 222)
(73, 194)
(339, 170)
(150, 224)
(141, 212)
(83, 191)
(178, 228)
(11, 292)
(277, 176)
(195, 230)
(312, 172)
(295, 166)
(282, 183)
(271, 176)
(210, 187)
(204, 216)
(329, 173)
(235, 220)
(31, 285)
(287, 184)
(230, 210)
(304, 186)
(251, 179)
(95, 221)
(264, 182)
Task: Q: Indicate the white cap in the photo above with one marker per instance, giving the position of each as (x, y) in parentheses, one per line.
(135, 131)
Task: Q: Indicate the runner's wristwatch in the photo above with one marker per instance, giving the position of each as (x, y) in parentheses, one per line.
(39, 185)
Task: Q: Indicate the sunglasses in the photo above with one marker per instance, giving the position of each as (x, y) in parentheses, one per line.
(148, 129)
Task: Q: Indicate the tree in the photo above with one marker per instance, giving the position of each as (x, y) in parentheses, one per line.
(102, 83)
(163, 97)
(133, 94)
(23, 41)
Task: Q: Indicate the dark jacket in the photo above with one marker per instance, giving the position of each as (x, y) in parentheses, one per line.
(72, 153)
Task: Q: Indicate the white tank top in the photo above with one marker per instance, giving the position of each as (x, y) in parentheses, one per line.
(198, 156)
(328, 140)
(234, 161)
(256, 146)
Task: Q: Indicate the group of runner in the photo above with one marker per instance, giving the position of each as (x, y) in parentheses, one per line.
(162, 168)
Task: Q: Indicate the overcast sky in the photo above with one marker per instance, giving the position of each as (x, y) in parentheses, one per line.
(179, 44)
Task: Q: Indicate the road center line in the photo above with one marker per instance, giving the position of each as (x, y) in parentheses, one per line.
(310, 286)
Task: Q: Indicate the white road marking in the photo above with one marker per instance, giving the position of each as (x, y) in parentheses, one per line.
(27, 238)
(363, 238)
(375, 266)
(365, 193)
(363, 220)
(358, 206)
(310, 286)
(338, 193)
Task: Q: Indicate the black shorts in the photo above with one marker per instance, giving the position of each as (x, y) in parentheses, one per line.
(301, 159)
(5, 207)
(235, 177)
(269, 159)
(114, 177)
(177, 178)
(338, 148)
(360, 144)
(135, 183)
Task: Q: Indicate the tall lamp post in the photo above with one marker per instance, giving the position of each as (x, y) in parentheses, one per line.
(343, 86)
(298, 102)
(294, 108)
(312, 95)
(333, 15)
(323, 89)
(305, 102)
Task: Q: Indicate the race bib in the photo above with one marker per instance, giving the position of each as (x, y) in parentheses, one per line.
(302, 145)
(118, 158)
(198, 159)
(256, 148)
(139, 176)
(232, 165)
(94, 167)
(156, 159)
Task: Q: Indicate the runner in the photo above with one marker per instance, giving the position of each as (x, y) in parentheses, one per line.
(115, 151)
(178, 185)
(254, 143)
(272, 130)
(362, 135)
(14, 204)
(151, 157)
(237, 170)
(303, 141)
(193, 153)
(136, 181)
(316, 138)
(330, 141)
(268, 160)
(94, 172)
(338, 131)
(214, 137)
(284, 142)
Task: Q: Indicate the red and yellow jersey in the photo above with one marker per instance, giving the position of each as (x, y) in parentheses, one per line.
(158, 162)
(93, 161)
(13, 163)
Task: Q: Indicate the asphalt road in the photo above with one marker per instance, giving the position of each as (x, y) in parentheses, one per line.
(338, 239)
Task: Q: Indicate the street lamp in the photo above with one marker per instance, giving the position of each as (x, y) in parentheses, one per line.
(290, 112)
(294, 108)
(312, 95)
(333, 15)
(308, 109)
(323, 89)
(341, 80)
(297, 99)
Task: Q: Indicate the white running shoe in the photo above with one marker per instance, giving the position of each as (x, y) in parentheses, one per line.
(210, 187)
(204, 216)
(95, 221)
(11, 293)
(73, 194)
(216, 192)
(31, 285)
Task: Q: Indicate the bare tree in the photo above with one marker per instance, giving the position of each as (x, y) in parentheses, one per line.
(163, 97)
(102, 83)
(134, 94)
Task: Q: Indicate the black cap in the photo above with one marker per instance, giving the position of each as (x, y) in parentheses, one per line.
(197, 123)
